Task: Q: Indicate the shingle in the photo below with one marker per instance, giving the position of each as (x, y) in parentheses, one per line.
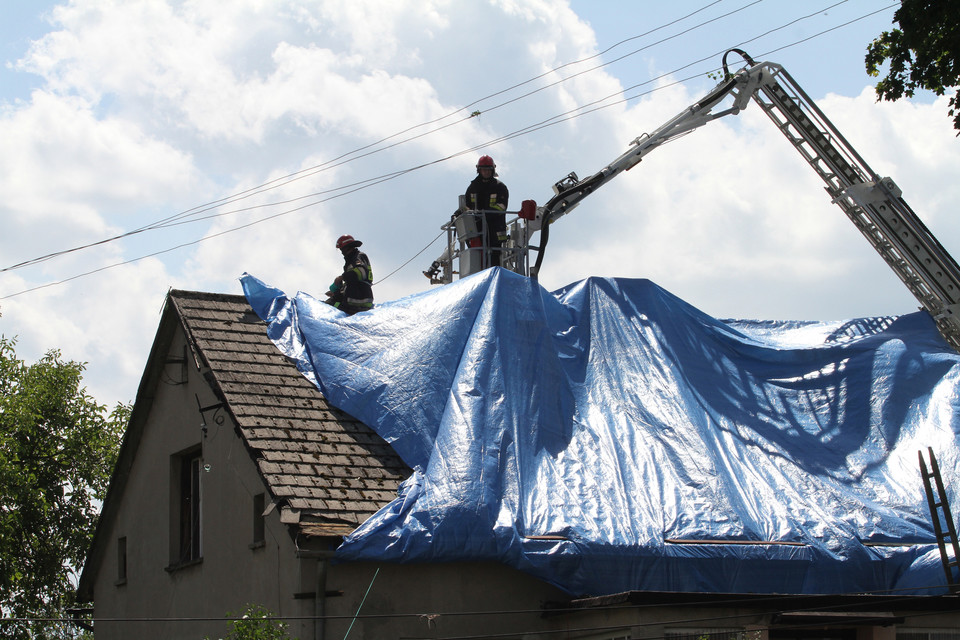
(268, 467)
(328, 465)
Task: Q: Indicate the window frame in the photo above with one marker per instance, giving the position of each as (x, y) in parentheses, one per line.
(186, 508)
(259, 521)
(121, 561)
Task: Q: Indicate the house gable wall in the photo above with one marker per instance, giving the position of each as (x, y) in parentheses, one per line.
(232, 571)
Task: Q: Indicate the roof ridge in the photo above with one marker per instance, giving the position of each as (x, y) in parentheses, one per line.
(206, 295)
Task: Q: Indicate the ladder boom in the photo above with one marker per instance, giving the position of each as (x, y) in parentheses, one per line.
(874, 204)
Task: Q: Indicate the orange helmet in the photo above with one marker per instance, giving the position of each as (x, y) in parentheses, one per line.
(347, 242)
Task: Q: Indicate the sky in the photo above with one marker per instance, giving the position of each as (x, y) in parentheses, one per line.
(150, 145)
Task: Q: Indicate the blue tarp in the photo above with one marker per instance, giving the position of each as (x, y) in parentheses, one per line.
(610, 437)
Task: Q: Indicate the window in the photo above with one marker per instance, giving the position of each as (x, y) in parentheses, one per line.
(121, 561)
(186, 513)
(258, 522)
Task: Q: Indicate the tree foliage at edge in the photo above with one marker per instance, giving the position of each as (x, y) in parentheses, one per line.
(57, 452)
(922, 53)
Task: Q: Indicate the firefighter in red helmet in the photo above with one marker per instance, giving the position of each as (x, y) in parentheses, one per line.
(487, 193)
(352, 291)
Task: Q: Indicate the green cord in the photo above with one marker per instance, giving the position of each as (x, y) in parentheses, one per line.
(361, 603)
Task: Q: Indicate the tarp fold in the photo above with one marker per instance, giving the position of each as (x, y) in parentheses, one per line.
(609, 437)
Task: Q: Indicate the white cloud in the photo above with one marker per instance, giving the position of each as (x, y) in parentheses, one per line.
(151, 107)
(233, 70)
(294, 243)
(385, 34)
(734, 221)
(79, 158)
(70, 178)
(107, 321)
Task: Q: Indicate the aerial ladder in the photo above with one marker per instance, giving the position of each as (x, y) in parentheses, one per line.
(873, 203)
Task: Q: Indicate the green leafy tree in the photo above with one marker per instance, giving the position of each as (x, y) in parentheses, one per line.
(923, 53)
(255, 623)
(57, 452)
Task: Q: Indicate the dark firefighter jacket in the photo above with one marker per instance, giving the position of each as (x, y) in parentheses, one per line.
(490, 195)
(357, 291)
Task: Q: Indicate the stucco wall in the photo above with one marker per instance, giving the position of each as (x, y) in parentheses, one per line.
(230, 573)
(435, 600)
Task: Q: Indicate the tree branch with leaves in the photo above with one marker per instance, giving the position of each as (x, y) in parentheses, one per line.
(921, 54)
(57, 452)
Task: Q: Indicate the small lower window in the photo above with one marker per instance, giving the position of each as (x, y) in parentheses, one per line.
(258, 521)
(121, 560)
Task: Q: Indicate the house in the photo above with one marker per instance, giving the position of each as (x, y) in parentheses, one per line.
(237, 480)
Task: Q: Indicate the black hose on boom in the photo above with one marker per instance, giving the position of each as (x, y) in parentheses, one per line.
(740, 52)
(583, 188)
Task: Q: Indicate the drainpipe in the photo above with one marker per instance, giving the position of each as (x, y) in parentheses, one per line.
(320, 597)
(320, 601)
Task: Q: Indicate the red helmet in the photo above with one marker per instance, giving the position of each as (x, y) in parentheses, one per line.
(347, 242)
(486, 161)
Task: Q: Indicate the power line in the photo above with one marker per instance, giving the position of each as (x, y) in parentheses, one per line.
(412, 258)
(346, 157)
(357, 186)
(755, 603)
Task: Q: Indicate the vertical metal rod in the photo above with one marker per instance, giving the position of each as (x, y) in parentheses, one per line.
(320, 602)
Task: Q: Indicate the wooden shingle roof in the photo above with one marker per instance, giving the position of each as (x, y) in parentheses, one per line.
(327, 471)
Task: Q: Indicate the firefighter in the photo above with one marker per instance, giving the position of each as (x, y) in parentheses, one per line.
(352, 291)
(487, 193)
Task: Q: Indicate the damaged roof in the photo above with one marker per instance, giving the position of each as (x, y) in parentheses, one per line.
(330, 471)
(610, 437)
(324, 469)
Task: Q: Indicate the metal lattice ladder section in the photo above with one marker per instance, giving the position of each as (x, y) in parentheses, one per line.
(873, 204)
(943, 526)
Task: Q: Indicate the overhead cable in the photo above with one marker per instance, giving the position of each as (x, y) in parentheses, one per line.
(577, 112)
(346, 157)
